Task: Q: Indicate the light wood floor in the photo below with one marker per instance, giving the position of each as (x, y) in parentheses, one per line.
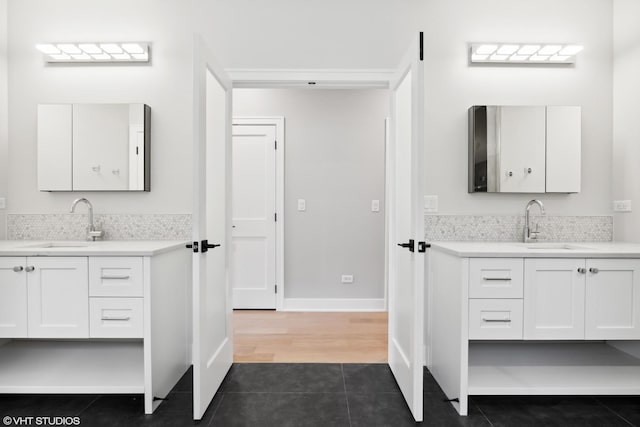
(270, 336)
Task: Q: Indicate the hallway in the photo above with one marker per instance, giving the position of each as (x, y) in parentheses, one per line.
(297, 337)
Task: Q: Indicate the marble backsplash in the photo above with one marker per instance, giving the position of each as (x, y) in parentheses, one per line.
(115, 226)
(506, 228)
(509, 228)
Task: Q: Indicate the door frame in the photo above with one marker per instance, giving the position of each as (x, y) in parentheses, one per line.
(279, 123)
(267, 78)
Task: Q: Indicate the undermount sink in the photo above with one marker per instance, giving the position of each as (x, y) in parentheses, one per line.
(50, 245)
(561, 246)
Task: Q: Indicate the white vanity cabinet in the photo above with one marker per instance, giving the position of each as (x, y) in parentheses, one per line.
(49, 293)
(554, 299)
(577, 299)
(612, 309)
(13, 298)
(57, 295)
(106, 317)
(513, 320)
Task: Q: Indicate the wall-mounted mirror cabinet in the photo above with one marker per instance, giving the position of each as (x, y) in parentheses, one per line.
(94, 147)
(524, 149)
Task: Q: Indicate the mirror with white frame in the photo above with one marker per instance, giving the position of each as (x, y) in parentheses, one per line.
(524, 149)
(94, 147)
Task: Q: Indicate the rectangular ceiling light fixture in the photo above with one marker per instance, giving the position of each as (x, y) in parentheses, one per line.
(523, 53)
(95, 52)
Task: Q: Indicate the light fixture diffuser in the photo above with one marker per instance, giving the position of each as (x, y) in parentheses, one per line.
(523, 53)
(549, 49)
(95, 52)
(47, 49)
(485, 49)
(91, 48)
(69, 48)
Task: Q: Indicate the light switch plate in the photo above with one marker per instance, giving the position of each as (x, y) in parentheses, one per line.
(622, 205)
(3, 203)
(431, 204)
(375, 206)
(302, 205)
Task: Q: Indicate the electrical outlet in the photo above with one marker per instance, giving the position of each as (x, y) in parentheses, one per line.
(302, 205)
(431, 204)
(622, 205)
(375, 206)
(347, 278)
(3, 203)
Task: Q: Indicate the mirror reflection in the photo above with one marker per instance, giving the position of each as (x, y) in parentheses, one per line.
(93, 147)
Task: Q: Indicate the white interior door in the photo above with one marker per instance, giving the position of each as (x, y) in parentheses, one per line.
(406, 262)
(212, 307)
(254, 222)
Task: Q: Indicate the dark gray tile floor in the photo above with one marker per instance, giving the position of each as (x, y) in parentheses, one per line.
(326, 395)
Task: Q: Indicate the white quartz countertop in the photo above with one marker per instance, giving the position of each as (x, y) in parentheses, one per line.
(539, 249)
(85, 248)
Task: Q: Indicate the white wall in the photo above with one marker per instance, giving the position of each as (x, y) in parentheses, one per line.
(165, 85)
(4, 120)
(310, 34)
(329, 34)
(452, 86)
(626, 135)
(334, 159)
(365, 34)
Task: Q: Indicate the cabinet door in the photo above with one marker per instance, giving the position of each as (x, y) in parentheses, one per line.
(564, 140)
(58, 292)
(613, 299)
(554, 298)
(521, 143)
(13, 298)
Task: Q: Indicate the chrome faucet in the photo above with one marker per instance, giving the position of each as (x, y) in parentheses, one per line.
(92, 234)
(527, 229)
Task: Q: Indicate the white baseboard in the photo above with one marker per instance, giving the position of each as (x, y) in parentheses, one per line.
(333, 304)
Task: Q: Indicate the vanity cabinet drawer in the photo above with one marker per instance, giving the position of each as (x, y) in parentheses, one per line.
(496, 277)
(495, 319)
(115, 277)
(115, 317)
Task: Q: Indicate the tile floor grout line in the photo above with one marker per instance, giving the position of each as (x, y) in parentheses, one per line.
(481, 411)
(346, 395)
(296, 392)
(215, 410)
(614, 412)
(90, 403)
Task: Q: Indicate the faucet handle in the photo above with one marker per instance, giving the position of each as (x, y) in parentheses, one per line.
(95, 235)
(533, 234)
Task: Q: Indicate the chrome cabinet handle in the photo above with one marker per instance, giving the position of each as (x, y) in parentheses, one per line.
(18, 268)
(29, 268)
(115, 277)
(593, 270)
(123, 318)
(496, 320)
(582, 270)
(501, 279)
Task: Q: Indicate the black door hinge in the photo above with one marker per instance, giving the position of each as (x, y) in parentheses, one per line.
(421, 46)
(275, 217)
(276, 288)
(205, 246)
(275, 145)
(422, 246)
(193, 246)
